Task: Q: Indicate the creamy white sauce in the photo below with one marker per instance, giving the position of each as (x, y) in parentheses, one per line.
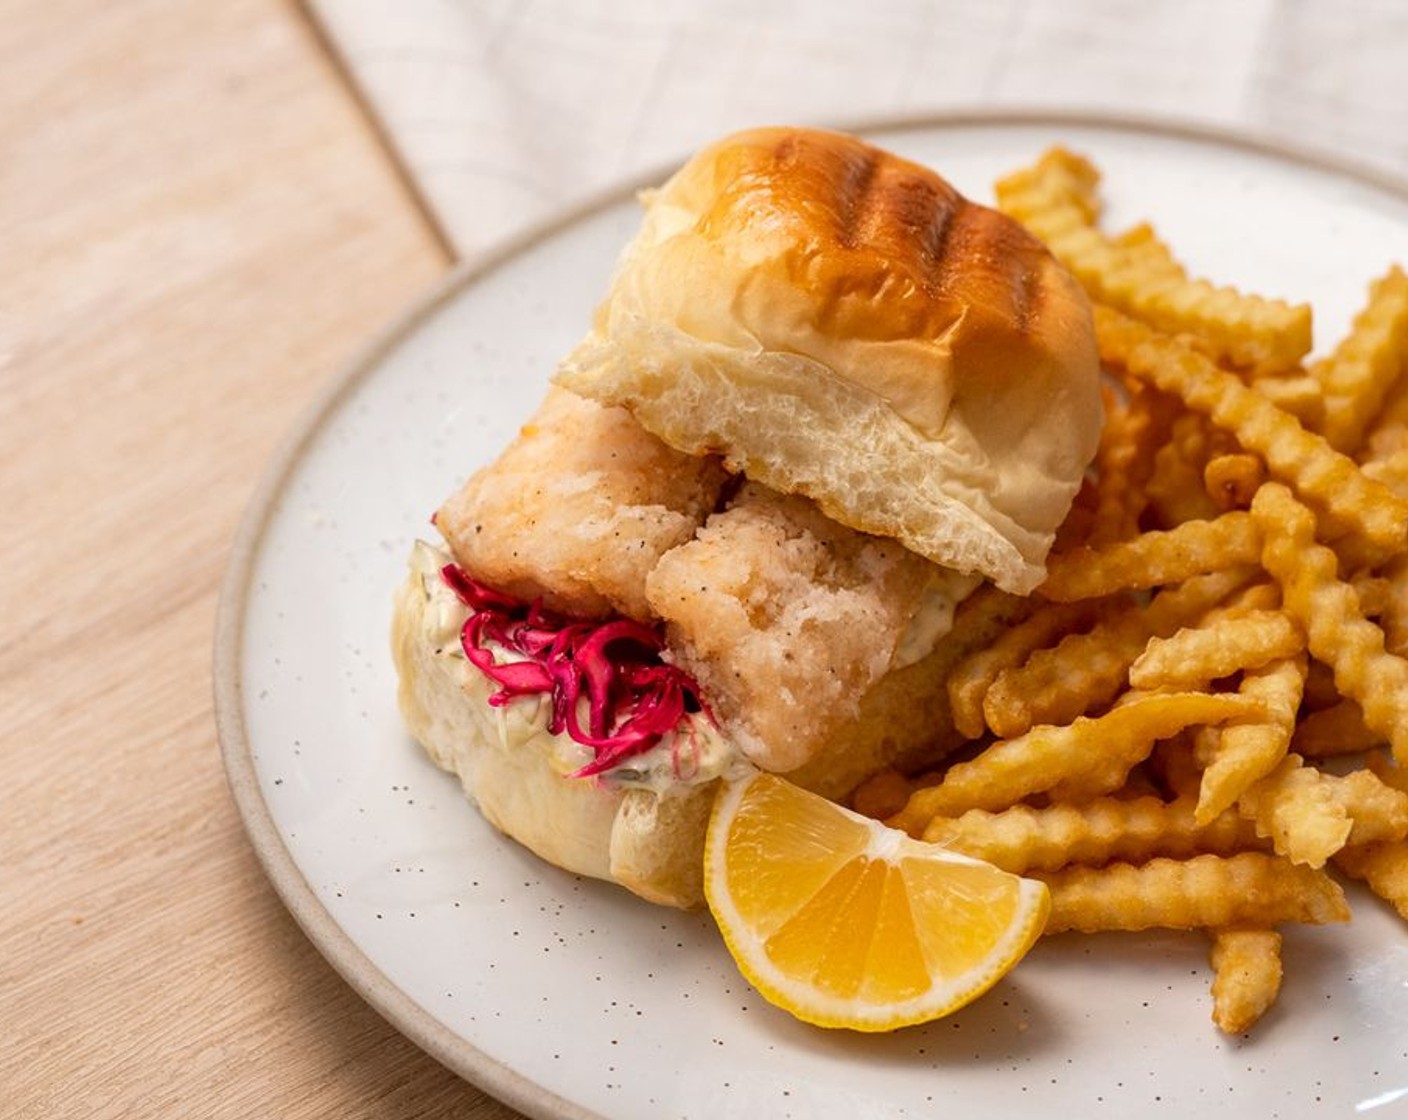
(694, 753)
(934, 618)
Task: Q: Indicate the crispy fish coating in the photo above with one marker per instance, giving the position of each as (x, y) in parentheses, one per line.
(787, 619)
(579, 508)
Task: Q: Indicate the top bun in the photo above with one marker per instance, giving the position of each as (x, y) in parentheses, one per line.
(841, 323)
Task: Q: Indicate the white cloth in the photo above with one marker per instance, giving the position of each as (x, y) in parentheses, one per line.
(504, 111)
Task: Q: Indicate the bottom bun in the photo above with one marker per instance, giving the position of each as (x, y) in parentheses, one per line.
(518, 773)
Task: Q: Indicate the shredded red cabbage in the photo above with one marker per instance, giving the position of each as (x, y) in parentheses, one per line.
(633, 696)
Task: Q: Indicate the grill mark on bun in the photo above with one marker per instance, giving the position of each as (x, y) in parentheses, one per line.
(860, 208)
(967, 248)
(986, 253)
(935, 233)
(1031, 295)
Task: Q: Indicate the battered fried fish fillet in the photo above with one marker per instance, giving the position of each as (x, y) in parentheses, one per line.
(579, 508)
(792, 623)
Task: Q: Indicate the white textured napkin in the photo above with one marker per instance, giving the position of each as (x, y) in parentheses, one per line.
(505, 111)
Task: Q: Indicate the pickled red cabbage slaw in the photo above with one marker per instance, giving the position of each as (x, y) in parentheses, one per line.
(633, 697)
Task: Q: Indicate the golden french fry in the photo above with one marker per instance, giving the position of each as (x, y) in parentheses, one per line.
(1249, 888)
(1358, 376)
(1176, 764)
(1233, 640)
(1320, 690)
(1246, 979)
(1022, 839)
(1389, 469)
(1124, 462)
(1373, 593)
(1392, 419)
(1394, 616)
(1309, 814)
(970, 679)
(1153, 559)
(1137, 273)
(1080, 521)
(1387, 771)
(1384, 867)
(1056, 192)
(1318, 471)
(1299, 394)
(1097, 753)
(883, 794)
(1295, 809)
(1232, 478)
(1378, 808)
(1336, 631)
(1244, 752)
(1333, 731)
(1224, 460)
(1175, 490)
(1085, 671)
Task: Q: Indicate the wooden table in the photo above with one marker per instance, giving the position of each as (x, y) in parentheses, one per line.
(197, 227)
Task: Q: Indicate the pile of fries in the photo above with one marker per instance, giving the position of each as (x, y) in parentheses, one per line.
(1200, 719)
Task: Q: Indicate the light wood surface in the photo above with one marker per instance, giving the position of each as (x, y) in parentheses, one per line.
(197, 227)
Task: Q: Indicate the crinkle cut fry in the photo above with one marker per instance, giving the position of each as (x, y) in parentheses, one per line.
(1246, 751)
(1298, 393)
(1176, 489)
(1102, 749)
(1124, 462)
(1334, 731)
(1336, 631)
(1366, 364)
(1022, 838)
(1246, 965)
(1231, 479)
(1386, 770)
(1394, 618)
(1317, 470)
(1056, 194)
(1084, 671)
(970, 679)
(1383, 867)
(1153, 559)
(1378, 809)
(1249, 888)
(1298, 812)
(1235, 640)
(1137, 273)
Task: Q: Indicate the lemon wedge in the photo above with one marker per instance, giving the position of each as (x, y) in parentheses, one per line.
(847, 923)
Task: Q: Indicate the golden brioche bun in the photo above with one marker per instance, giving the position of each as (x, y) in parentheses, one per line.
(839, 322)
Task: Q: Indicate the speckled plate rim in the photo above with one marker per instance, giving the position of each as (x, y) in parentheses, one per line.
(336, 945)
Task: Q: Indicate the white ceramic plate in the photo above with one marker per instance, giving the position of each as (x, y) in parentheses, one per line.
(570, 998)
